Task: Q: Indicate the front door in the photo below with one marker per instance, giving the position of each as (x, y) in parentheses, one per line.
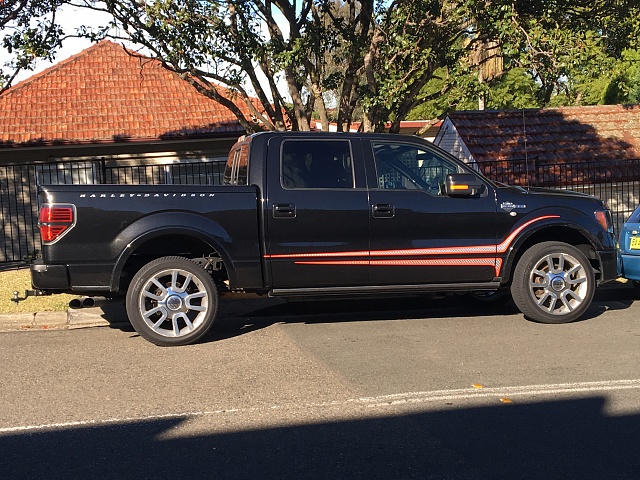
(419, 235)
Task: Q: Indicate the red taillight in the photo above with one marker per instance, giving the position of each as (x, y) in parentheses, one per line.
(51, 213)
(50, 233)
(55, 220)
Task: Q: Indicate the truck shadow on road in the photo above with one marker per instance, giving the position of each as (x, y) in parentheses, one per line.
(564, 439)
(238, 317)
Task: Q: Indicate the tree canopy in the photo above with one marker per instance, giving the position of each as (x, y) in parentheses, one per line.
(276, 64)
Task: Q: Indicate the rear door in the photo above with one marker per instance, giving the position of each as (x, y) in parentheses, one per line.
(419, 235)
(317, 212)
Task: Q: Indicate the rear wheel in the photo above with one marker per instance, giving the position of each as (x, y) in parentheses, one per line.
(172, 301)
(553, 283)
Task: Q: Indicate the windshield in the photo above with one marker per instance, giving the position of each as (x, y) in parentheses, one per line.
(635, 216)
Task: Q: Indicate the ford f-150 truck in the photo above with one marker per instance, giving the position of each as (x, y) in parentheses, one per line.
(312, 214)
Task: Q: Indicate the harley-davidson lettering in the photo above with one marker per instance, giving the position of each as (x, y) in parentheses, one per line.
(146, 195)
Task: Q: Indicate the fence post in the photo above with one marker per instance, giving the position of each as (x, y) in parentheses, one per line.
(103, 171)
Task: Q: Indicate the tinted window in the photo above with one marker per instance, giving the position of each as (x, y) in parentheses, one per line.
(408, 167)
(635, 216)
(235, 172)
(316, 164)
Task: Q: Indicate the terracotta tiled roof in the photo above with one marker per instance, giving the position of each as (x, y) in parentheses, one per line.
(605, 132)
(106, 94)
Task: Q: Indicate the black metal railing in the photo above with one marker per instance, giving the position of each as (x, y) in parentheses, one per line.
(533, 172)
(618, 183)
(99, 172)
(20, 238)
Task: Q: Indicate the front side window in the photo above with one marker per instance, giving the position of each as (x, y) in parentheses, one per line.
(408, 167)
(316, 164)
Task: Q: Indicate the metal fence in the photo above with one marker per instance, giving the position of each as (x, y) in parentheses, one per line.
(618, 183)
(20, 238)
(100, 172)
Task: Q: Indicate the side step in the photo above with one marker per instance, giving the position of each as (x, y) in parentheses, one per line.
(377, 289)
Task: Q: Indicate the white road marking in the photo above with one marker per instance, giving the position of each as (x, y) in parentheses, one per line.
(485, 392)
(377, 401)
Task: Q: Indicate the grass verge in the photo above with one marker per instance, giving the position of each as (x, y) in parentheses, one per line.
(12, 280)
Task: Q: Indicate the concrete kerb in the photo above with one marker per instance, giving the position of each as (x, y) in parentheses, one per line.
(68, 320)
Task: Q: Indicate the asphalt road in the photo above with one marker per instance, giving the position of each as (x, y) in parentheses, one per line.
(372, 389)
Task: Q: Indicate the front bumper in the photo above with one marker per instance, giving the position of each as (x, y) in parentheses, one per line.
(608, 266)
(630, 266)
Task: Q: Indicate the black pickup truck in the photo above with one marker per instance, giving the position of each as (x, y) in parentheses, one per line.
(311, 214)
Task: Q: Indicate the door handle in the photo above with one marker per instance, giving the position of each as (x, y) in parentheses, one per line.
(284, 210)
(383, 210)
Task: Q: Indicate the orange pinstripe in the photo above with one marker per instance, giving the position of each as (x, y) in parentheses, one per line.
(458, 250)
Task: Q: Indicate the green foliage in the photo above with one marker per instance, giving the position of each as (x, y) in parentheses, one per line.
(554, 52)
(624, 85)
(441, 97)
(275, 63)
(516, 89)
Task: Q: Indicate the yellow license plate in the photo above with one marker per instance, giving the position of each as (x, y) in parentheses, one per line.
(635, 243)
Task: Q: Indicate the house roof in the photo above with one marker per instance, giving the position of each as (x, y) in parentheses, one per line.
(568, 134)
(108, 94)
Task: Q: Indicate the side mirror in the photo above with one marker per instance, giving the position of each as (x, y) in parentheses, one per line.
(463, 185)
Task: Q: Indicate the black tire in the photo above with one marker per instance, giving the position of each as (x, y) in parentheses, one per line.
(172, 301)
(553, 283)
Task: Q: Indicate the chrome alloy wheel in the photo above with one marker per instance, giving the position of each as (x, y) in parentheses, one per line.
(173, 302)
(558, 283)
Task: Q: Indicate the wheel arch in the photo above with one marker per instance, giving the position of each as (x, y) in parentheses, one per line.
(144, 241)
(571, 234)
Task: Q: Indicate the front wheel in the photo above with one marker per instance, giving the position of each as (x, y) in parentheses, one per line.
(172, 301)
(553, 283)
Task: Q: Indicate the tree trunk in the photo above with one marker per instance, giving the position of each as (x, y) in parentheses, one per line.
(299, 120)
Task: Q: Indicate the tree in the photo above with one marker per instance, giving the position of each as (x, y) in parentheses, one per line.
(622, 85)
(29, 31)
(554, 52)
(568, 46)
(274, 63)
(242, 52)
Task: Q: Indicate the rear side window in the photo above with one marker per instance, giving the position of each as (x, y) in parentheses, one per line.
(236, 170)
(316, 164)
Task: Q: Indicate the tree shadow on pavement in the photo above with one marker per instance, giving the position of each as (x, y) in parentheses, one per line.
(566, 439)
